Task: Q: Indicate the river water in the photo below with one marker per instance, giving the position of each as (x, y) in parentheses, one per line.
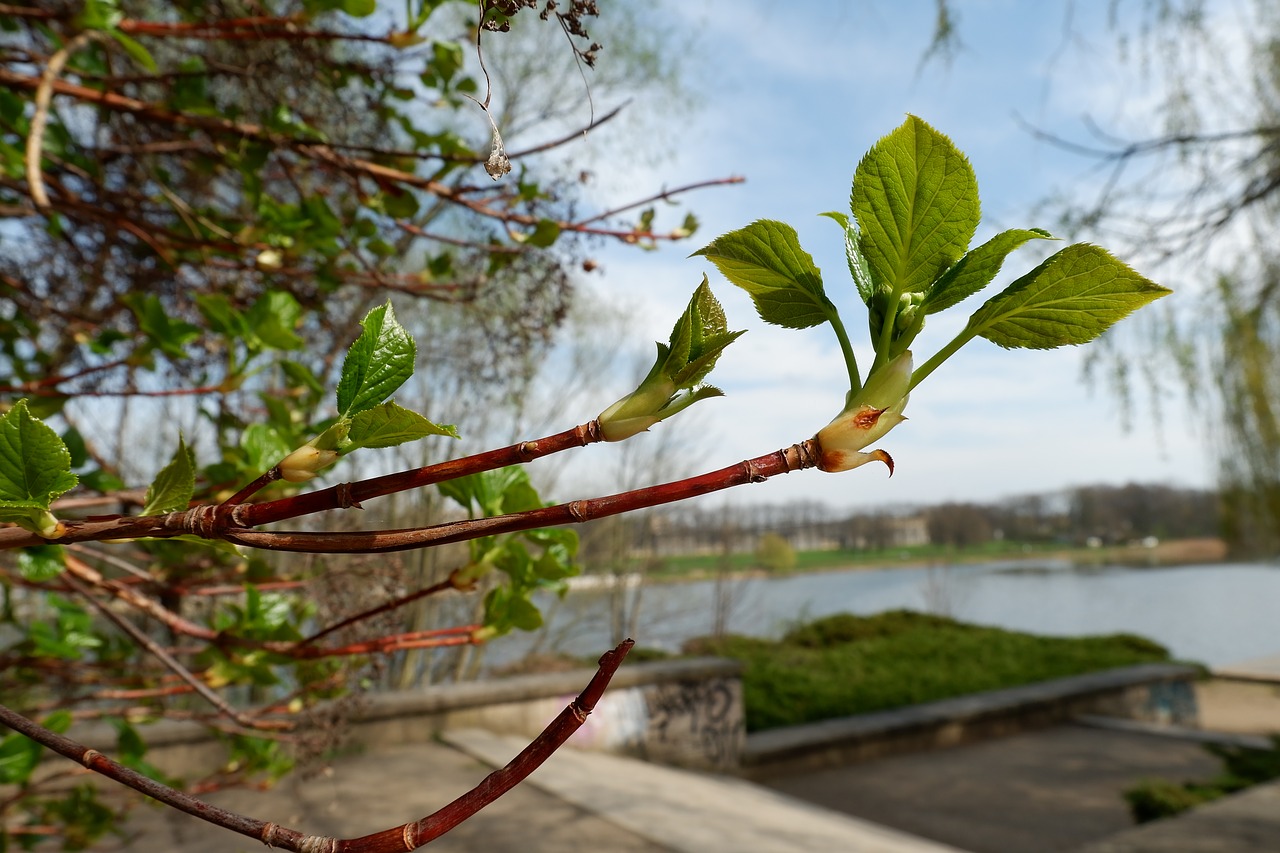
(1214, 614)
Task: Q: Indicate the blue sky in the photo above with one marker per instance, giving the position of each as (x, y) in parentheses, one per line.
(790, 96)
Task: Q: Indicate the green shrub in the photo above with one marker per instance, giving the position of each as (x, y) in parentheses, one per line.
(1154, 799)
(843, 664)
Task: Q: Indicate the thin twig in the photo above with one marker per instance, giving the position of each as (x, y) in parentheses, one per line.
(410, 836)
(167, 660)
(40, 118)
(384, 608)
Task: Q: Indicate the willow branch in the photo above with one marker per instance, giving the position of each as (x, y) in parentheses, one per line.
(410, 836)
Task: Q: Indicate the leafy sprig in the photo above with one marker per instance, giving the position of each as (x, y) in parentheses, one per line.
(913, 211)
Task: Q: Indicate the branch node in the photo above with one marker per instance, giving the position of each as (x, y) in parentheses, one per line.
(203, 521)
(237, 515)
(342, 493)
(528, 450)
(317, 844)
(753, 472)
(89, 757)
(579, 713)
(409, 835)
(578, 510)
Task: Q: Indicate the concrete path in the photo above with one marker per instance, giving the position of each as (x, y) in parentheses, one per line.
(1043, 791)
(577, 801)
(360, 794)
(693, 812)
(1248, 822)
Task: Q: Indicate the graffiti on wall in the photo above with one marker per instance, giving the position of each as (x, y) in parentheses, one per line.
(695, 723)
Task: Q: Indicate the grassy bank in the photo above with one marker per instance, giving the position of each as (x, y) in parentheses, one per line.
(843, 664)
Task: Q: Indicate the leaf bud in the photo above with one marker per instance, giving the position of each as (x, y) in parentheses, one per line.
(305, 462)
(875, 410)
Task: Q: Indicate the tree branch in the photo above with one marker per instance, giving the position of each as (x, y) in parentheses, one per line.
(410, 836)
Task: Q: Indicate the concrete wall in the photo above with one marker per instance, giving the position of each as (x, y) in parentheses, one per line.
(686, 713)
(682, 712)
(1155, 693)
(689, 713)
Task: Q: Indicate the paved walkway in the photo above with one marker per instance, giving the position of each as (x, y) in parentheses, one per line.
(577, 801)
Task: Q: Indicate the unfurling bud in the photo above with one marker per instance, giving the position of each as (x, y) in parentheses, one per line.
(639, 410)
(875, 410)
(305, 462)
(48, 526)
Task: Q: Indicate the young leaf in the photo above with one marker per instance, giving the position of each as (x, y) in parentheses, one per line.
(136, 51)
(172, 488)
(495, 492)
(388, 425)
(166, 334)
(1071, 298)
(19, 756)
(377, 364)
(765, 259)
(274, 317)
(858, 269)
(41, 562)
(915, 199)
(264, 445)
(35, 468)
(977, 268)
(698, 338)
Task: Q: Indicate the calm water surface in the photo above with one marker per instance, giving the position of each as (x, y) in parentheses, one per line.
(1214, 614)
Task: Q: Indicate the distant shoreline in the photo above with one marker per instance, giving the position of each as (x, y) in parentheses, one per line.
(1174, 552)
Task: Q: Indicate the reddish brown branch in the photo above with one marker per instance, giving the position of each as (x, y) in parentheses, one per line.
(213, 522)
(345, 495)
(410, 836)
(794, 458)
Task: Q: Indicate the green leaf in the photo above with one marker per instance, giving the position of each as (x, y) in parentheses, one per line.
(41, 562)
(359, 8)
(915, 200)
(264, 445)
(400, 204)
(765, 259)
(977, 268)
(173, 487)
(136, 51)
(1071, 298)
(190, 88)
(858, 269)
(273, 319)
(35, 465)
(698, 339)
(301, 376)
(495, 492)
(377, 364)
(19, 756)
(388, 425)
(545, 233)
(169, 335)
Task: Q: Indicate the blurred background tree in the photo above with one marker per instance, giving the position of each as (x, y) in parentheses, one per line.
(1198, 200)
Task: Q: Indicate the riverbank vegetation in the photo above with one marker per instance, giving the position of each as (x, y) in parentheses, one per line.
(843, 664)
(1173, 552)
